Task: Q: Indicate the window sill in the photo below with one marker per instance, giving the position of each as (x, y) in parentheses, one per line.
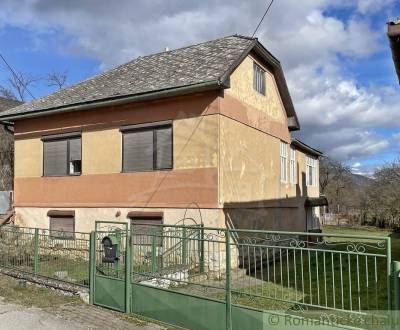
(61, 175)
(146, 171)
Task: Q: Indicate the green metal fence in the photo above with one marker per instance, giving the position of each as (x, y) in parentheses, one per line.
(194, 276)
(57, 255)
(266, 270)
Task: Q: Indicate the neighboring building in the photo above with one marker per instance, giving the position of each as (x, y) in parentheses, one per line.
(200, 132)
(394, 38)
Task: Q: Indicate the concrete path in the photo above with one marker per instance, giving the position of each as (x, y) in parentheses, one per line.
(14, 317)
(68, 317)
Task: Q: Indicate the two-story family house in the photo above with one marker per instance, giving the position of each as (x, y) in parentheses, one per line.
(201, 132)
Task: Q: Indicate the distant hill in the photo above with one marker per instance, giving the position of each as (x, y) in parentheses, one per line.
(361, 180)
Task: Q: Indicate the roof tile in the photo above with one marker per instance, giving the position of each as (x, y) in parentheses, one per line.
(194, 64)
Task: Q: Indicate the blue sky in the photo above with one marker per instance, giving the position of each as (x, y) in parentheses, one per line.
(335, 55)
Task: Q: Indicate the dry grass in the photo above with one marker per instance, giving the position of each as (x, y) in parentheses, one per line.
(32, 295)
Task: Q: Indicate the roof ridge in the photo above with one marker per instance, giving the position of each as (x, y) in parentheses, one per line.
(193, 45)
(146, 56)
(204, 61)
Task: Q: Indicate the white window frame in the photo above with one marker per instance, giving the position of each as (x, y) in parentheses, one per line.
(293, 169)
(311, 163)
(284, 161)
(259, 81)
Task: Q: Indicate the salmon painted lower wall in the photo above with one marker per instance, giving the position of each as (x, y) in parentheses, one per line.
(177, 188)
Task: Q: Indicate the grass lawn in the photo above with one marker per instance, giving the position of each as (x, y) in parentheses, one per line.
(328, 278)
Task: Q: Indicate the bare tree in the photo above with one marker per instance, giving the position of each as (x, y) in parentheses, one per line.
(6, 160)
(7, 93)
(384, 196)
(57, 79)
(20, 83)
(331, 171)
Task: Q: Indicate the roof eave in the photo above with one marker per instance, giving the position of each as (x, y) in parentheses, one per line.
(147, 96)
(394, 39)
(306, 148)
(293, 121)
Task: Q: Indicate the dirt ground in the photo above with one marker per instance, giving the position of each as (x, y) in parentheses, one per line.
(32, 307)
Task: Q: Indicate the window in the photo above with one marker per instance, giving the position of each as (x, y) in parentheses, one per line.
(147, 147)
(145, 227)
(62, 224)
(62, 154)
(293, 169)
(284, 158)
(311, 171)
(258, 79)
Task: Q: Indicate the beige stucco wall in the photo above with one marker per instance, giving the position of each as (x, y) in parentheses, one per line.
(250, 166)
(196, 142)
(85, 217)
(102, 151)
(28, 158)
(195, 146)
(241, 81)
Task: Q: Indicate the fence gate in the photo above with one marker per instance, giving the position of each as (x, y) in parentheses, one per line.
(110, 266)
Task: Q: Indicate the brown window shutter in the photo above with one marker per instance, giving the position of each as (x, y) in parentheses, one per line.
(62, 224)
(55, 157)
(138, 151)
(164, 147)
(145, 226)
(75, 149)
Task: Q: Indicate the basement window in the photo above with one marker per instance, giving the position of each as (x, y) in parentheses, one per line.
(62, 154)
(146, 227)
(61, 224)
(258, 79)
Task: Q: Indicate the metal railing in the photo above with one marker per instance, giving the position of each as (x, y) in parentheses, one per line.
(269, 270)
(266, 270)
(56, 255)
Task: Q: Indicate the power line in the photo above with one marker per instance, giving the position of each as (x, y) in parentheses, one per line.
(262, 18)
(16, 76)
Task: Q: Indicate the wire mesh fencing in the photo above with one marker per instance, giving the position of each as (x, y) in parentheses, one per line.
(56, 255)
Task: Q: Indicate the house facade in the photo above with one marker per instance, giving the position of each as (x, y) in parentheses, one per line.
(393, 33)
(200, 134)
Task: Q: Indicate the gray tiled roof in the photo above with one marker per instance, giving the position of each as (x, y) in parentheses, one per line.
(205, 62)
(6, 104)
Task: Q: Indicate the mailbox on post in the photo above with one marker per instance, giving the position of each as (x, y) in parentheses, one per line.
(111, 245)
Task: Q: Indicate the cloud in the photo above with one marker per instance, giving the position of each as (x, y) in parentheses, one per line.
(337, 114)
(365, 6)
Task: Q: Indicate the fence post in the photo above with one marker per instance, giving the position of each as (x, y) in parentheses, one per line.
(36, 252)
(396, 284)
(228, 280)
(202, 248)
(184, 246)
(128, 271)
(92, 265)
(389, 272)
(153, 251)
